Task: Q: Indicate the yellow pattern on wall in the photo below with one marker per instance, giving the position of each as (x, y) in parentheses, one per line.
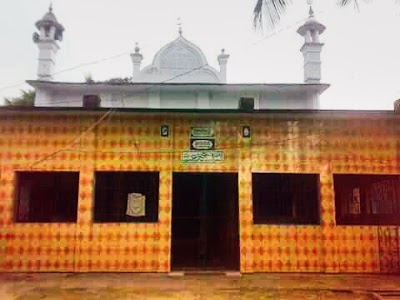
(280, 142)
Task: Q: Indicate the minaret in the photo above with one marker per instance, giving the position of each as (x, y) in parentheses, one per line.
(312, 48)
(223, 61)
(136, 60)
(50, 31)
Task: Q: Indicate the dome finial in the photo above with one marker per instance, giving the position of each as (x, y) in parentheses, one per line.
(51, 7)
(137, 48)
(179, 26)
(311, 11)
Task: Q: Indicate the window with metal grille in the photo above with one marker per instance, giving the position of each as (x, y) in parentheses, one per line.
(364, 199)
(283, 198)
(115, 190)
(46, 197)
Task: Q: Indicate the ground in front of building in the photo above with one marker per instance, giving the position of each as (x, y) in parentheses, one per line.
(197, 286)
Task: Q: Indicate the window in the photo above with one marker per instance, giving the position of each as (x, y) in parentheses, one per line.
(367, 199)
(47, 31)
(126, 197)
(286, 198)
(91, 101)
(46, 196)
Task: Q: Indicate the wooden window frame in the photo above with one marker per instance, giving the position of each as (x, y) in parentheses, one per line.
(58, 201)
(114, 186)
(266, 198)
(368, 212)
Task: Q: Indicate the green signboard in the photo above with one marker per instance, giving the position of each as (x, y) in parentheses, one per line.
(201, 132)
(202, 138)
(208, 156)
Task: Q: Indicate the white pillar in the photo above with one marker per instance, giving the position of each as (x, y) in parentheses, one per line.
(312, 62)
(136, 61)
(223, 61)
(154, 99)
(47, 59)
(203, 100)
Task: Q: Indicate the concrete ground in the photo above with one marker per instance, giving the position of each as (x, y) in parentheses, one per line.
(90, 286)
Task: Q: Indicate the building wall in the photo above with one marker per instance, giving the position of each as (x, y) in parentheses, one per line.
(194, 99)
(278, 100)
(288, 143)
(48, 98)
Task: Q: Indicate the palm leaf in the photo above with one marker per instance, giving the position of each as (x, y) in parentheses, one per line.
(347, 2)
(269, 12)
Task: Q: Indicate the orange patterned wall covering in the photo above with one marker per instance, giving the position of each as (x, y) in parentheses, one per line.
(324, 143)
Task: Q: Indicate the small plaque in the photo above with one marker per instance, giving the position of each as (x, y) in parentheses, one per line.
(201, 132)
(202, 144)
(164, 131)
(136, 206)
(246, 131)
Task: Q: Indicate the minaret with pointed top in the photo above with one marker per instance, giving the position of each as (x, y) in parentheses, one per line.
(137, 58)
(312, 48)
(223, 61)
(50, 31)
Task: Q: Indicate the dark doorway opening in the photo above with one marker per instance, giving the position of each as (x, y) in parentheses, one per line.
(205, 221)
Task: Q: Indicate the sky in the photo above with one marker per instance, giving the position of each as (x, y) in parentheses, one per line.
(360, 57)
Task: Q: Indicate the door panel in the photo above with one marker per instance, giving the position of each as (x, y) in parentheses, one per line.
(205, 221)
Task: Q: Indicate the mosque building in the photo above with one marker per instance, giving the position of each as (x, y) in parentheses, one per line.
(178, 170)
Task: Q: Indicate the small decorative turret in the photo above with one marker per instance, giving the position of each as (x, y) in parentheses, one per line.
(136, 60)
(223, 61)
(50, 31)
(312, 48)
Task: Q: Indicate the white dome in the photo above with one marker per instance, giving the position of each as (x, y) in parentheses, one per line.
(179, 61)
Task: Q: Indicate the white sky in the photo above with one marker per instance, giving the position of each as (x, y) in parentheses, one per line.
(360, 59)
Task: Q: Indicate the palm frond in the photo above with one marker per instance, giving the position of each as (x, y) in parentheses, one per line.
(348, 2)
(269, 12)
(355, 2)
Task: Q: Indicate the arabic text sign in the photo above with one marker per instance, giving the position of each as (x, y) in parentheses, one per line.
(202, 156)
(203, 144)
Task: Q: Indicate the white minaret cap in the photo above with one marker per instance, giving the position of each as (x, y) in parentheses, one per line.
(49, 21)
(311, 24)
(311, 29)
